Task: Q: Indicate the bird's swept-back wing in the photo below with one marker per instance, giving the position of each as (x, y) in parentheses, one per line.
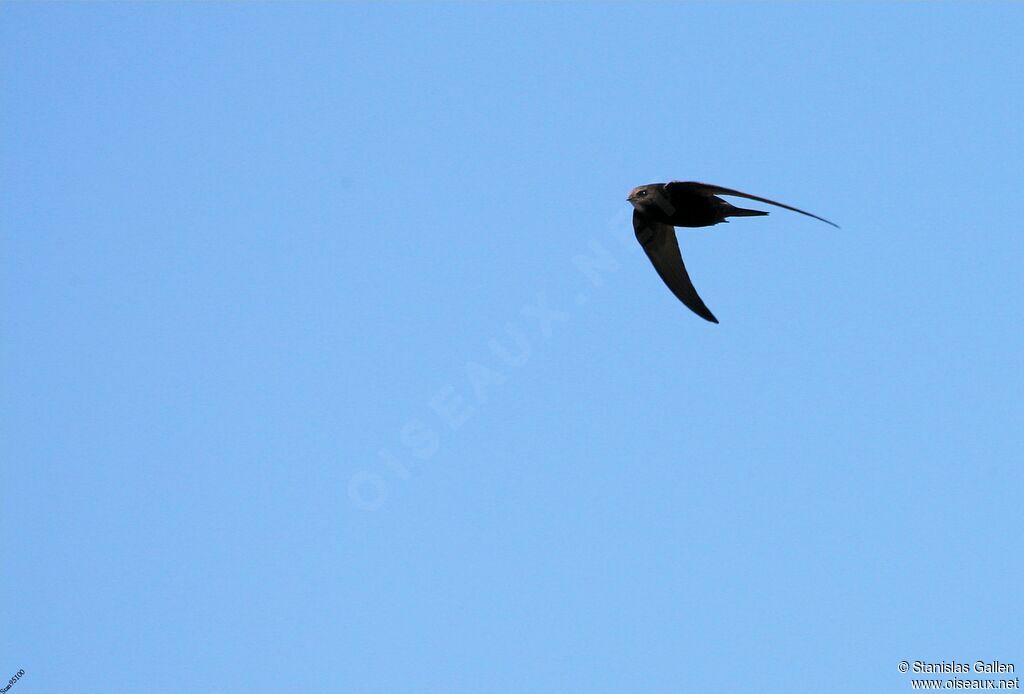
(659, 242)
(696, 186)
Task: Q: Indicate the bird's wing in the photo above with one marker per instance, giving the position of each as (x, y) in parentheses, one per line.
(659, 242)
(710, 189)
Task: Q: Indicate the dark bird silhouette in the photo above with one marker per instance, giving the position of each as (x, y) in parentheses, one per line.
(660, 207)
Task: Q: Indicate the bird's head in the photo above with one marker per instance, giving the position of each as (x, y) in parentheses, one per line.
(643, 197)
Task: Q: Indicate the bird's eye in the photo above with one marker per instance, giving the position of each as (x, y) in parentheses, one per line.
(642, 194)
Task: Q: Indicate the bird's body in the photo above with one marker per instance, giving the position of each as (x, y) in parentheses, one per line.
(660, 207)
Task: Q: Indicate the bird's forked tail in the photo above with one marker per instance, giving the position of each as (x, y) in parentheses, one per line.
(742, 212)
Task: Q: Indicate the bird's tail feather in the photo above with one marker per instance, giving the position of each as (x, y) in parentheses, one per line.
(742, 212)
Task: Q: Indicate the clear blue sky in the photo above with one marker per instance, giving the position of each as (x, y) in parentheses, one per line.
(308, 383)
